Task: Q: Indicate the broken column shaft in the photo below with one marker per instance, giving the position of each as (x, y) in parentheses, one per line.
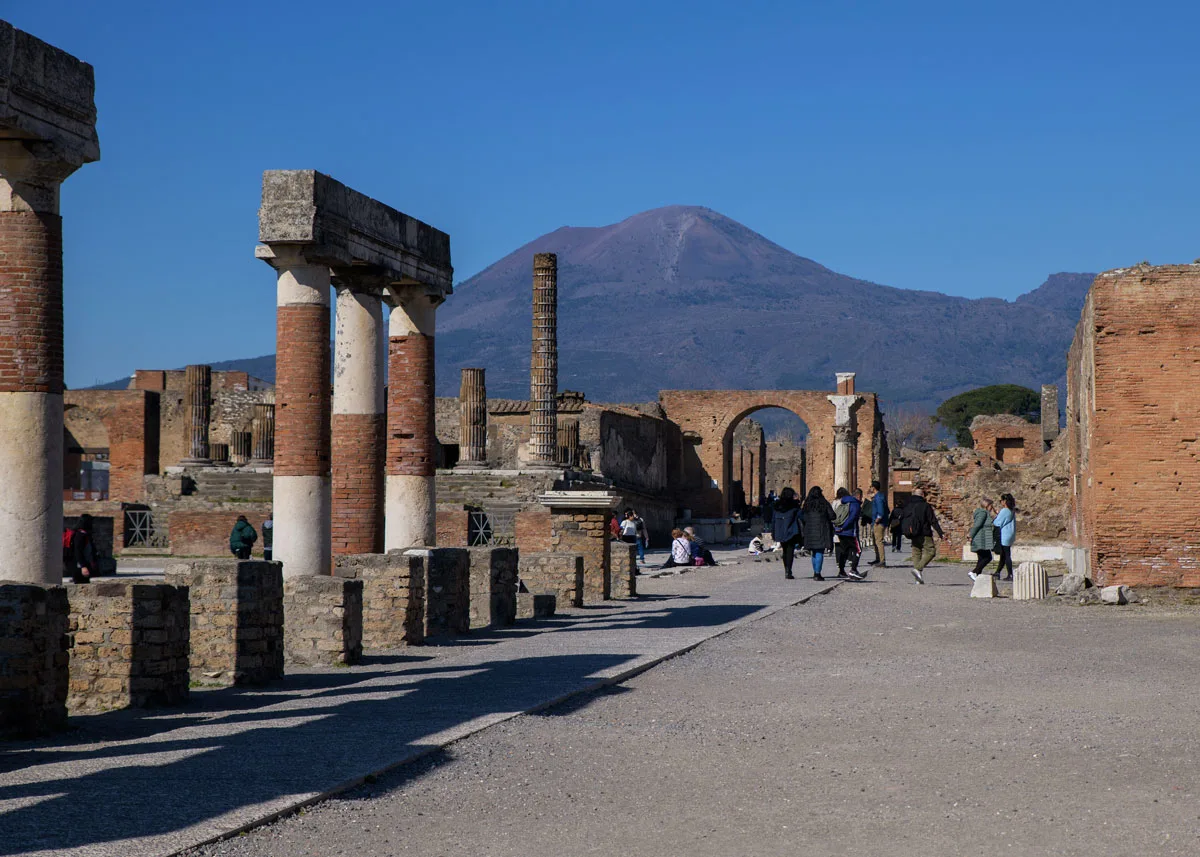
(472, 441)
(568, 443)
(543, 386)
(262, 432)
(198, 394)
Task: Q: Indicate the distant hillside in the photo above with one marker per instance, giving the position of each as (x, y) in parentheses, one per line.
(683, 297)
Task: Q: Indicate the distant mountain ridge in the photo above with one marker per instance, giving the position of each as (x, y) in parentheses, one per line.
(684, 297)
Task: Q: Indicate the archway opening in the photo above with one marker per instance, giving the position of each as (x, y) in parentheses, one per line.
(765, 451)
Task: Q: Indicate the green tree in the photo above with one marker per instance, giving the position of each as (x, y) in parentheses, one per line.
(955, 414)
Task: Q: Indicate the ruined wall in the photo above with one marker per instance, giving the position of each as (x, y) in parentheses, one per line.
(627, 447)
(786, 466)
(123, 421)
(1007, 438)
(1137, 425)
(206, 532)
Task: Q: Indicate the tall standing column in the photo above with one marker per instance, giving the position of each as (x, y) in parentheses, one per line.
(411, 437)
(472, 427)
(845, 433)
(358, 424)
(543, 411)
(198, 392)
(262, 433)
(302, 458)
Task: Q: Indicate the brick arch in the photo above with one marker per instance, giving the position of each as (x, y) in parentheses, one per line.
(707, 418)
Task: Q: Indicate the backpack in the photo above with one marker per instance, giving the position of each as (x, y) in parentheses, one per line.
(68, 534)
(68, 542)
(908, 524)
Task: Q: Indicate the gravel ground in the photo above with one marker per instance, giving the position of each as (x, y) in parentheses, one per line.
(883, 718)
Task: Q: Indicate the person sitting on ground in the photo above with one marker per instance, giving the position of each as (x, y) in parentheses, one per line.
(681, 550)
(242, 538)
(756, 546)
(699, 547)
(79, 556)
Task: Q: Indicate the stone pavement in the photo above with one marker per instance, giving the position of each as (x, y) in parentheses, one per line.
(134, 783)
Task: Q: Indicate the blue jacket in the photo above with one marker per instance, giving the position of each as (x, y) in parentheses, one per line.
(879, 509)
(1007, 522)
(849, 527)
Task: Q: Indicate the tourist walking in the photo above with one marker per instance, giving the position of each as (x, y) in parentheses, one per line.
(817, 526)
(846, 514)
(894, 521)
(242, 538)
(879, 524)
(1006, 525)
(919, 523)
(768, 510)
(786, 528)
(643, 536)
(268, 537)
(983, 540)
(79, 554)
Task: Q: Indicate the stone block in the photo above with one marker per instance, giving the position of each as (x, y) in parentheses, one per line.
(393, 597)
(322, 620)
(130, 645)
(984, 587)
(1072, 584)
(624, 570)
(447, 590)
(1115, 594)
(1029, 582)
(558, 574)
(34, 675)
(236, 619)
(535, 605)
(493, 587)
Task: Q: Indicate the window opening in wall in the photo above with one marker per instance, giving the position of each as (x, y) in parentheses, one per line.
(1010, 449)
(479, 530)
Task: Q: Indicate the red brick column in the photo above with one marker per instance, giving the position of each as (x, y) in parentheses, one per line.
(411, 437)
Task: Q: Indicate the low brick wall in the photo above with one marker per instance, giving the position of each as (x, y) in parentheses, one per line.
(493, 587)
(531, 605)
(129, 645)
(532, 528)
(558, 574)
(393, 597)
(322, 620)
(206, 533)
(447, 590)
(624, 570)
(452, 528)
(237, 619)
(585, 532)
(33, 659)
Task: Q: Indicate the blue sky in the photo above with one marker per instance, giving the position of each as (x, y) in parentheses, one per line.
(970, 148)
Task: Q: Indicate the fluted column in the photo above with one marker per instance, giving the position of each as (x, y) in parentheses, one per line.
(472, 428)
(543, 438)
(198, 393)
(568, 443)
(240, 447)
(262, 432)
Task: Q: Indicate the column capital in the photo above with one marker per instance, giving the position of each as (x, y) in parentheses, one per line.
(404, 295)
(31, 173)
(845, 434)
(844, 408)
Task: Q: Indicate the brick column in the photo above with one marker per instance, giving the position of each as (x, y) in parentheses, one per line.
(358, 424)
(262, 431)
(302, 459)
(198, 391)
(543, 381)
(411, 438)
(472, 427)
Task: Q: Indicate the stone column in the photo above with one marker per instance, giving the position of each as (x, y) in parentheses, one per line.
(411, 437)
(219, 454)
(262, 431)
(845, 433)
(579, 525)
(241, 447)
(358, 424)
(543, 382)
(472, 427)
(568, 443)
(302, 458)
(198, 392)
(752, 490)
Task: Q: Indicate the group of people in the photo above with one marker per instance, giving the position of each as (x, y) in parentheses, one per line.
(687, 548)
(822, 527)
(993, 530)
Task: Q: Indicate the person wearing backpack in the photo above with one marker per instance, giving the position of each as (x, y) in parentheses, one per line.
(242, 539)
(918, 523)
(847, 511)
(79, 555)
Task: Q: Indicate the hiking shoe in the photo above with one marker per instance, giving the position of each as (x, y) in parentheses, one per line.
(917, 576)
(817, 577)
(972, 575)
(857, 576)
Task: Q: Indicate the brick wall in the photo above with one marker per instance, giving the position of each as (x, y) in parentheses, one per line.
(302, 409)
(452, 528)
(206, 533)
(130, 420)
(493, 587)
(411, 435)
(624, 570)
(447, 590)
(1007, 438)
(358, 483)
(31, 344)
(533, 531)
(393, 597)
(557, 574)
(1135, 367)
(322, 620)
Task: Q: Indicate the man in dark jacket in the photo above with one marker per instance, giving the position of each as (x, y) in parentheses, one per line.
(845, 527)
(918, 522)
(79, 555)
(879, 523)
(242, 539)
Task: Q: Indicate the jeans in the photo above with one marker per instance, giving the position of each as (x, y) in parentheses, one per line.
(1005, 561)
(818, 560)
(982, 558)
(641, 543)
(242, 553)
(924, 549)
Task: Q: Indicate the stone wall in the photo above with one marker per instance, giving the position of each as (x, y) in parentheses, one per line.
(585, 532)
(236, 619)
(786, 466)
(452, 528)
(493, 587)
(558, 574)
(1134, 419)
(533, 530)
(323, 620)
(393, 597)
(447, 590)
(129, 645)
(624, 570)
(1007, 438)
(206, 533)
(33, 659)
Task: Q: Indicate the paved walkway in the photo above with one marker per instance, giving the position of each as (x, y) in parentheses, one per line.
(136, 783)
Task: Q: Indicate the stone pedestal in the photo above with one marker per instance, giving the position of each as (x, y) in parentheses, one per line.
(493, 587)
(984, 587)
(579, 525)
(535, 605)
(472, 428)
(1029, 582)
(130, 645)
(624, 570)
(557, 574)
(33, 659)
(543, 381)
(236, 619)
(447, 590)
(323, 621)
(393, 597)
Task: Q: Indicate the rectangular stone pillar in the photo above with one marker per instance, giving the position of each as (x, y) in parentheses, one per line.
(624, 570)
(130, 645)
(393, 597)
(1050, 425)
(447, 590)
(579, 525)
(493, 589)
(33, 659)
(236, 619)
(322, 621)
(358, 424)
(543, 382)
(557, 574)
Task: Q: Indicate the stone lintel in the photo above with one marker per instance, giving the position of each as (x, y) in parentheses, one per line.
(579, 499)
(348, 230)
(47, 95)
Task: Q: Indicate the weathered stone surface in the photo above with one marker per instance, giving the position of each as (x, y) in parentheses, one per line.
(322, 620)
(33, 659)
(447, 590)
(624, 570)
(1029, 582)
(1072, 584)
(493, 590)
(535, 605)
(129, 645)
(1115, 594)
(393, 597)
(558, 574)
(236, 619)
(1007, 438)
(984, 587)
